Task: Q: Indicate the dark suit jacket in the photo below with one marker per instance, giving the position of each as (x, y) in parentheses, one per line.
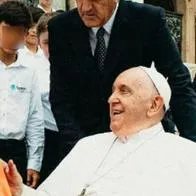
(79, 93)
(194, 83)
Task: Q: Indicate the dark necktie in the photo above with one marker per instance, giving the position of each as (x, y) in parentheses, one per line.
(100, 50)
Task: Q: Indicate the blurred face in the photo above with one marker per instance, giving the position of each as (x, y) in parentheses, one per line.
(1, 1)
(11, 37)
(95, 13)
(129, 101)
(31, 37)
(45, 2)
(43, 42)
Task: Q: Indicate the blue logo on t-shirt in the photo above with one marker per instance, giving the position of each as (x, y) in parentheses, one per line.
(13, 87)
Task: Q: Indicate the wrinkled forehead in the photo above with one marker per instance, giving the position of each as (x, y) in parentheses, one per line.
(135, 79)
(131, 76)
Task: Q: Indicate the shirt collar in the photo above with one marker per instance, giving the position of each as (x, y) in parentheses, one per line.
(18, 63)
(39, 6)
(143, 134)
(109, 24)
(38, 53)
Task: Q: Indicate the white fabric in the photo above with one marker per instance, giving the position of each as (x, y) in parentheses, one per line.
(150, 163)
(138, 1)
(107, 27)
(39, 6)
(39, 62)
(31, 59)
(161, 84)
(21, 112)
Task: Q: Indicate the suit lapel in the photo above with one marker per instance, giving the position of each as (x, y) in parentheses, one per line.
(124, 42)
(80, 37)
(80, 43)
(124, 38)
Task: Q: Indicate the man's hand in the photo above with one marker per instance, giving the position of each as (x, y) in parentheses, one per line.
(32, 178)
(13, 177)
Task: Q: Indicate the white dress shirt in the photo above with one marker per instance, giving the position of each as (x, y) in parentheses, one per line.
(21, 112)
(149, 163)
(42, 66)
(32, 59)
(107, 27)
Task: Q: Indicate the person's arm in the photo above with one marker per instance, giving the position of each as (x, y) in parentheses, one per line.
(62, 91)
(15, 183)
(59, 181)
(168, 62)
(34, 135)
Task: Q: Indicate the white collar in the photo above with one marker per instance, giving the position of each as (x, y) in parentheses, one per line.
(143, 134)
(38, 53)
(18, 63)
(39, 6)
(109, 24)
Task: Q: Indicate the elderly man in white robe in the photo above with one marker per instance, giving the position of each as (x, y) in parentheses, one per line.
(137, 158)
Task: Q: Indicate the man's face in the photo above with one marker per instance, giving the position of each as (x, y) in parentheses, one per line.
(129, 102)
(11, 37)
(95, 13)
(45, 2)
(31, 37)
(43, 42)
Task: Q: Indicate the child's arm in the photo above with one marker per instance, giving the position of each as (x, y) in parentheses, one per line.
(35, 134)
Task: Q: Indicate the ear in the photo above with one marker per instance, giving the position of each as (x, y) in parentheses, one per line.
(156, 106)
(25, 37)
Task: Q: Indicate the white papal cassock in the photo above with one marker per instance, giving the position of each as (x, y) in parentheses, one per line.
(150, 163)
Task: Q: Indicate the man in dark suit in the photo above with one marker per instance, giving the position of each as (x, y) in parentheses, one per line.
(134, 34)
(194, 83)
